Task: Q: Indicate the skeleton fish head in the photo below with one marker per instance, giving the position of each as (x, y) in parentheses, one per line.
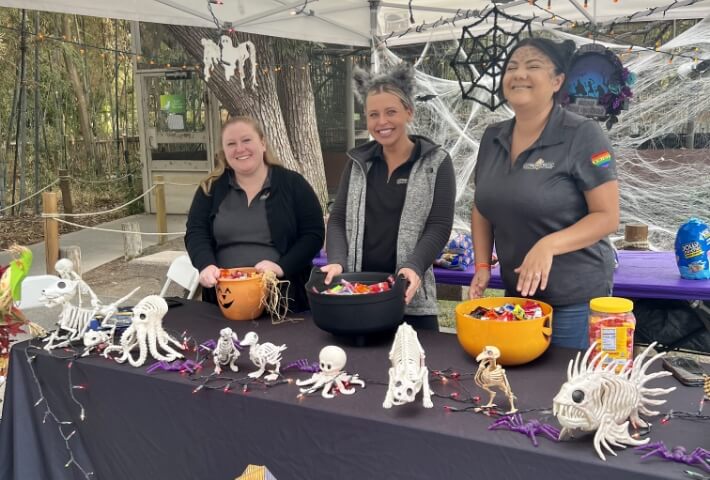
(578, 403)
(403, 391)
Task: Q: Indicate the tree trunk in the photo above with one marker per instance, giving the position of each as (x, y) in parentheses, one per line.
(81, 100)
(299, 110)
(262, 102)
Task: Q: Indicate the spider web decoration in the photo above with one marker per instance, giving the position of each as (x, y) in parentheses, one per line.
(478, 61)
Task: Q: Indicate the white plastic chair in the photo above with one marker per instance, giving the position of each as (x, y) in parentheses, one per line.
(184, 274)
(31, 290)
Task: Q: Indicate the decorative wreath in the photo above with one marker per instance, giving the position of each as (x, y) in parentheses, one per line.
(598, 85)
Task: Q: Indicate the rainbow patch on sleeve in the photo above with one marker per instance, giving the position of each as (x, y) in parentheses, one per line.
(601, 159)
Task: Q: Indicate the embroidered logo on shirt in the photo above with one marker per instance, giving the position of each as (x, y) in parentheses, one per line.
(601, 159)
(401, 181)
(539, 164)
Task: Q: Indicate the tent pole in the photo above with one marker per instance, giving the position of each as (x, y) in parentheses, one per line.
(374, 7)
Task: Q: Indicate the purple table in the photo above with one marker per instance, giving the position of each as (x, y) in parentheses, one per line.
(640, 275)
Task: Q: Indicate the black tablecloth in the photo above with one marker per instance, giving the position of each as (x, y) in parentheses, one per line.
(141, 426)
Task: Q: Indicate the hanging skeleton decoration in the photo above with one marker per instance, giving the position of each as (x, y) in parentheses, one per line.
(263, 355)
(226, 351)
(490, 374)
(146, 333)
(74, 319)
(408, 373)
(332, 361)
(211, 57)
(478, 62)
(230, 57)
(595, 397)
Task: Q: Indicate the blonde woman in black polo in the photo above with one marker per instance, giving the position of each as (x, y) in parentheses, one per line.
(546, 194)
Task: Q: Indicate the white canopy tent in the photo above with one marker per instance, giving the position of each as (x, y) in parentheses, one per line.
(356, 22)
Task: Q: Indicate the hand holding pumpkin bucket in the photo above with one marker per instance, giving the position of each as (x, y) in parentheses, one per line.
(243, 293)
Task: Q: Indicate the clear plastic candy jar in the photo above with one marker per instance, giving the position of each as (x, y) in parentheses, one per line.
(611, 329)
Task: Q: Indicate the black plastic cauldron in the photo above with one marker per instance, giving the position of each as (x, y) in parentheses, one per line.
(356, 315)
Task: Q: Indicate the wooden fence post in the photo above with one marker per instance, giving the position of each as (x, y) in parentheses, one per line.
(160, 213)
(51, 231)
(66, 191)
(132, 241)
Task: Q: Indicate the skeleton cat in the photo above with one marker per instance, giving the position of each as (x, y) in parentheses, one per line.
(408, 373)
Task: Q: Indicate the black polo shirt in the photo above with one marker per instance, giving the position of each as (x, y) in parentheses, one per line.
(543, 192)
(384, 202)
(241, 229)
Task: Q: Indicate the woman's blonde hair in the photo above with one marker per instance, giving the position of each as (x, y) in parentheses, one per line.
(221, 160)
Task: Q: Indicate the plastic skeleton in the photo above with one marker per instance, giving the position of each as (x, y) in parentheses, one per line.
(74, 319)
(235, 57)
(595, 397)
(490, 374)
(210, 57)
(408, 373)
(332, 362)
(226, 352)
(532, 429)
(263, 355)
(146, 333)
(698, 457)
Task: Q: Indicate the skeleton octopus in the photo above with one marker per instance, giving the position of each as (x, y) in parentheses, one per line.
(147, 334)
(332, 362)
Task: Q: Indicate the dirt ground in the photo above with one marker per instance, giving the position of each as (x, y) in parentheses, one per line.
(115, 279)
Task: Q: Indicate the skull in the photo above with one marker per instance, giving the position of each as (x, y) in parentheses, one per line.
(226, 334)
(64, 267)
(403, 391)
(148, 307)
(332, 359)
(62, 291)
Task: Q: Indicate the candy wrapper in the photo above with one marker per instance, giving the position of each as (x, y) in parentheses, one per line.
(692, 250)
(348, 288)
(509, 312)
(457, 254)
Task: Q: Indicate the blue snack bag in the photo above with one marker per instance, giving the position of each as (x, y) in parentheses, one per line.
(692, 250)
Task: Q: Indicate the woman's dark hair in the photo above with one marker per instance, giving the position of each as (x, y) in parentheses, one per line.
(559, 53)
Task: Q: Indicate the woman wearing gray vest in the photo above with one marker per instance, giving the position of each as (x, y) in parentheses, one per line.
(546, 194)
(395, 204)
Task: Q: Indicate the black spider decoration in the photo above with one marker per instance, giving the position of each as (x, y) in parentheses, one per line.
(478, 62)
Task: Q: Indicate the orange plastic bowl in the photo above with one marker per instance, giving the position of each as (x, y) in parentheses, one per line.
(241, 299)
(519, 342)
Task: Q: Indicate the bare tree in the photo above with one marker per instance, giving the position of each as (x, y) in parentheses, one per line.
(81, 100)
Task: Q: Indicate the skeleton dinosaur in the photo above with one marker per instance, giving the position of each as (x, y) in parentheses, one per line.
(263, 355)
(595, 397)
(74, 319)
(408, 373)
(226, 351)
(490, 374)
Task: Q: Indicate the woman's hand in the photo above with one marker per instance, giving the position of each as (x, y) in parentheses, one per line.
(209, 276)
(535, 269)
(269, 266)
(331, 270)
(414, 282)
(479, 283)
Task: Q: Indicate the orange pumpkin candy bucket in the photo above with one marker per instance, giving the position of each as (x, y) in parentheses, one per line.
(241, 293)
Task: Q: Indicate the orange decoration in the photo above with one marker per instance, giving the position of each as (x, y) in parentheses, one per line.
(241, 293)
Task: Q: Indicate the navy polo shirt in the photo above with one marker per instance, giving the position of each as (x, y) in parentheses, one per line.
(543, 192)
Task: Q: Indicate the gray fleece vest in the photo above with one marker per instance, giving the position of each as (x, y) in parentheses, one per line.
(417, 204)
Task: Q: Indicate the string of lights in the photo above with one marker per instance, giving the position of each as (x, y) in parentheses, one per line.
(62, 425)
(125, 55)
